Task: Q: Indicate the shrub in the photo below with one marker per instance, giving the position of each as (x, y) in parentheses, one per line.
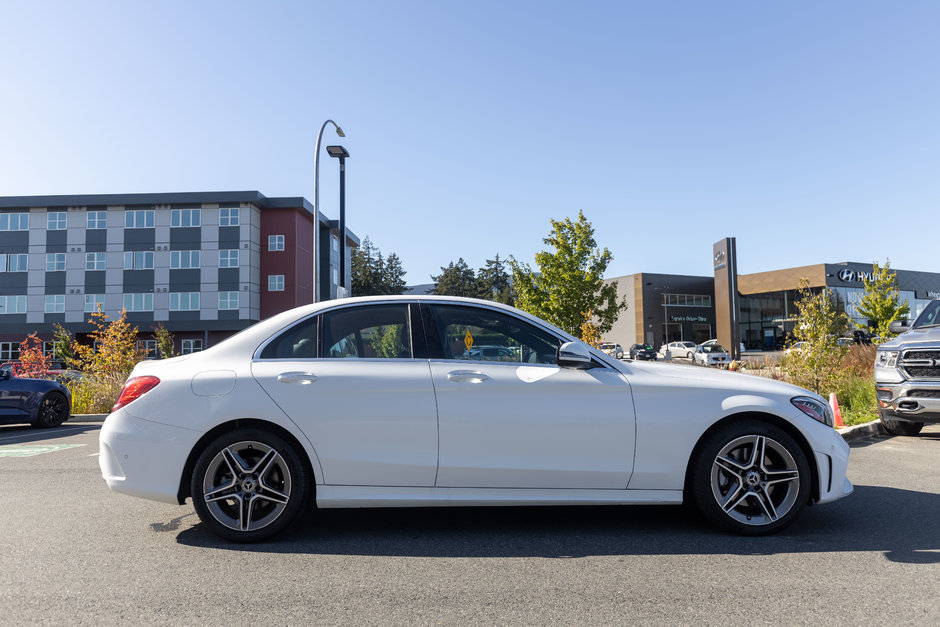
(95, 395)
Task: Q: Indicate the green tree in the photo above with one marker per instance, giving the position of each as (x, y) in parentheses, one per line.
(494, 282)
(62, 345)
(816, 364)
(165, 341)
(457, 279)
(113, 352)
(372, 274)
(881, 303)
(569, 286)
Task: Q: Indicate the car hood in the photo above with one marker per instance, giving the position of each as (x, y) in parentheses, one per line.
(913, 338)
(734, 382)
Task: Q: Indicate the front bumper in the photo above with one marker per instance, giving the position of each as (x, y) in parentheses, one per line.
(832, 462)
(913, 401)
(144, 458)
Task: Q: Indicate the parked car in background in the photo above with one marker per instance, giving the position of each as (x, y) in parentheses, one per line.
(711, 355)
(643, 351)
(39, 402)
(678, 349)
(262, 424)
(612, 349)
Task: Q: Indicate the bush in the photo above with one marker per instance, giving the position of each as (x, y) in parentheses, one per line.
(95, 394)
(857, 399)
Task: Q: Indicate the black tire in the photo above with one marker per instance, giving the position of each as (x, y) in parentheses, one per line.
(901, 427)
(739, 489)
(53, 410)
(255, 465)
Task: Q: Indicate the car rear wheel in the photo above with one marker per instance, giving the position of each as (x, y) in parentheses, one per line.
(249, 485)
(751, 478)
(901, 427)
(53, 411)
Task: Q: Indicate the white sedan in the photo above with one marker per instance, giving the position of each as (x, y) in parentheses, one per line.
(382, 402)
(679, 349)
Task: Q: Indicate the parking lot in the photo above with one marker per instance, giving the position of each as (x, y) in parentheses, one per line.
(75, 553)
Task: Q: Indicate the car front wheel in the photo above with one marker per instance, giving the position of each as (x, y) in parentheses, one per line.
(901, 427)
(53, 410)
(750, 477)
(249, 485)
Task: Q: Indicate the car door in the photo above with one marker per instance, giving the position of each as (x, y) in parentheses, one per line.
(11, 396)
(522, 421)
(354, 383)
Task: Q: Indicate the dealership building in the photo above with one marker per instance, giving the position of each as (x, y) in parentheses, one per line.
(757, 309)
(204, 264)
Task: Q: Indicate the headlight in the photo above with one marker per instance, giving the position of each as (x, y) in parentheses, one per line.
(814, 409)
(886, 359)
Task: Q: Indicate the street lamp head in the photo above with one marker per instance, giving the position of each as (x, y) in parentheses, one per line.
(339, 131)
(337, 152)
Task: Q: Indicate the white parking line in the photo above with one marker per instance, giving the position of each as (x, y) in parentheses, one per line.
(30, 434)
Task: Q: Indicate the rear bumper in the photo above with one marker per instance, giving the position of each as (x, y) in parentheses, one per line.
(143, 458)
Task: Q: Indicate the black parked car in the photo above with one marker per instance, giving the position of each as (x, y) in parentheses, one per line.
(40, 402)
(642, 351)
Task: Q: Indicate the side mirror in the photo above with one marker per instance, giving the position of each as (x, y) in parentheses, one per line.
(6, 374)
(899, 326)
(574, 355)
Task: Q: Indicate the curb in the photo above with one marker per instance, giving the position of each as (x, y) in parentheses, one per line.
(87, 417)
(860, 432)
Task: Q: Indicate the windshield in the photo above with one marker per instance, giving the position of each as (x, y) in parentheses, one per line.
(930, 316)
(714, 348)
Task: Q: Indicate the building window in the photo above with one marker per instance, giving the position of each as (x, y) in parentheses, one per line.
(55, 303)
(184, 259)
(138, 219)
(138, 302)
(9, 350)
(335, 273)
(14, 222)
(148, 347)
(228, 217)
(96, 220)
(138, 260)
(55, 262)
(184, 301)
(228, 258)
(12, 304)
(56, 221)
(275, 282)
(190, 346)
(275, 243)
(48, 348)
(687, 300)
(335, 241)
(14, 262)
(95, 261)
(94, 302)
(185, 217)
(228, 300)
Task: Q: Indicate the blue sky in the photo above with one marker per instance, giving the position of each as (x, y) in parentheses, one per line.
(807, 130)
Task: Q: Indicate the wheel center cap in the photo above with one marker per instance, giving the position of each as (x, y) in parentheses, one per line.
(249, 484)
(752, 478)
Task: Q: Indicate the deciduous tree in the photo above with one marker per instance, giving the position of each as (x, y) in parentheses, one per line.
(881, 303)
(568, 284)
(817, 363)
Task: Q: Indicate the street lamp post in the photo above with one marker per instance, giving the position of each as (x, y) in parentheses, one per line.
(316, 203)
(338, 152)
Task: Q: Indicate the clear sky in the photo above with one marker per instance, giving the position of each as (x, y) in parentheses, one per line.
(807, 130)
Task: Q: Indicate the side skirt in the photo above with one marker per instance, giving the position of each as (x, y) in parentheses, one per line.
(337, 496)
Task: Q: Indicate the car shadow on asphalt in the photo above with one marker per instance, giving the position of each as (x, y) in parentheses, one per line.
(22, 434)
(899, 523)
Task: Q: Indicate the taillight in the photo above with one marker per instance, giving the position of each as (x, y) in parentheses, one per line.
(134, 389)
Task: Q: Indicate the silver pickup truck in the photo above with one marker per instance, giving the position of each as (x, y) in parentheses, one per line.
(907, 374)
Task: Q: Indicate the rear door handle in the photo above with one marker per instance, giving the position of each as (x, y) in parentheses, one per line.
(303, 378)
(467, 375)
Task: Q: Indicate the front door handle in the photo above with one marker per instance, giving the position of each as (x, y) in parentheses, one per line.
(467, 375)
(303, 378)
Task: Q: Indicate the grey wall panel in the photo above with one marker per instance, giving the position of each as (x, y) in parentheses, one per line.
(13, 282)
(185, 280)
(14, 241)
(137, 281)
(56, 241)
(139, 239)
(95, 282)
(96, 240)
(55, 283)
(229, 237)
(228, 279)
(188, 238)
